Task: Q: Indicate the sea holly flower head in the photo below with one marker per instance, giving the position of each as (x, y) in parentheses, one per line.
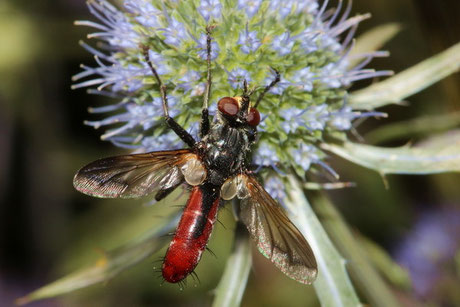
(249, 40)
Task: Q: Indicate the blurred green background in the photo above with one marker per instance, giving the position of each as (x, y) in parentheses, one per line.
(47, 229)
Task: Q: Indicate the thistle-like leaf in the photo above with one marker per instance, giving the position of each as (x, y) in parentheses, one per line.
(414, 127)
(408, 82)
(437, 154)
(111, 264)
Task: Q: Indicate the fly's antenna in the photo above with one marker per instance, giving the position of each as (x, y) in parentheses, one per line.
(245, 101)
(269, 87)
(245, 104)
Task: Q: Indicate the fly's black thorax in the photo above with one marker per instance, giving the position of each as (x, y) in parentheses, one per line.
(225, 149)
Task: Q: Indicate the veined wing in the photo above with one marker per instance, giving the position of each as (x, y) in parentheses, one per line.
(131, 176)
(276, 236)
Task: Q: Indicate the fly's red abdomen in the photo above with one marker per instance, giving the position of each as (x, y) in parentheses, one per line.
(192, 233)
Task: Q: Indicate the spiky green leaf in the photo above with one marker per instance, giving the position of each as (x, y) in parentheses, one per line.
(406, 83)
(109, 265)
(437, 154)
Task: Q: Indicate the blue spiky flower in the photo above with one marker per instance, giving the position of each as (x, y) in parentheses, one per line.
(307, 42)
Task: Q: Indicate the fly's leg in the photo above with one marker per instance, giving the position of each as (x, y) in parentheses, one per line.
(205, 113)
(268, 87)
(178, 129)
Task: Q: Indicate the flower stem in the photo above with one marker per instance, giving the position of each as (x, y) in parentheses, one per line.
(333, 286)
(231, 287)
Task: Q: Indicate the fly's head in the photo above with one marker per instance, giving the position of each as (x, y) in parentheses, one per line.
(237, 113)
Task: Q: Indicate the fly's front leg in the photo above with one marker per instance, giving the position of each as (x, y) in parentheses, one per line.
(205, 113)
(178, 129)
(269, 87)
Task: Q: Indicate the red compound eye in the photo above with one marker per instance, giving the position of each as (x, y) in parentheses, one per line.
(253, 117)
(228, 106)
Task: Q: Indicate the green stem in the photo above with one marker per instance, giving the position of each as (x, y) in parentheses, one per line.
(332, 286)
(231, 287)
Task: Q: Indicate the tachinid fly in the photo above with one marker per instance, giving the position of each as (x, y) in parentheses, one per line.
(214, 169)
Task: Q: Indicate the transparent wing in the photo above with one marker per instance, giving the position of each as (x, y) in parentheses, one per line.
(132, 176)
(276, 236)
